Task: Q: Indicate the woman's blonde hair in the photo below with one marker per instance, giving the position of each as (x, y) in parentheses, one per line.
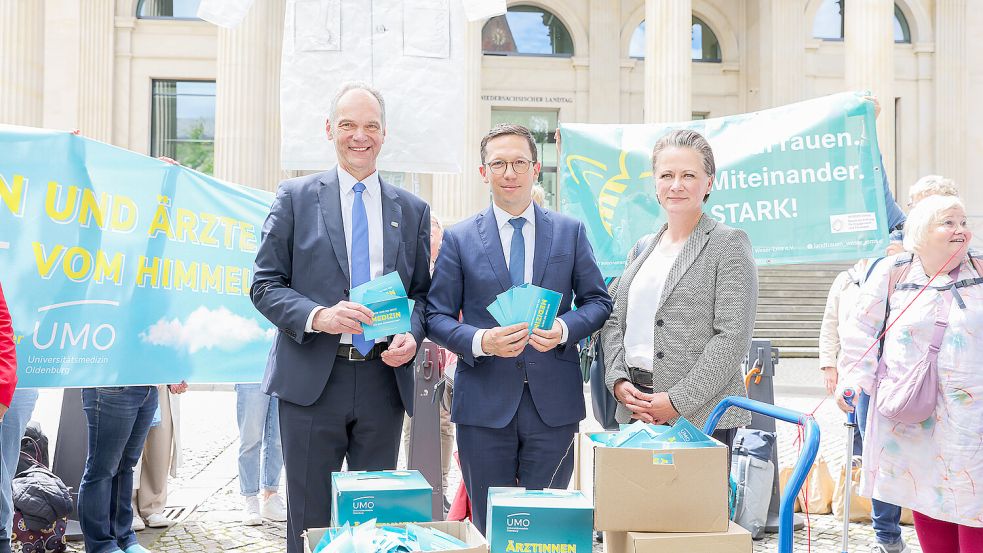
(924, 217)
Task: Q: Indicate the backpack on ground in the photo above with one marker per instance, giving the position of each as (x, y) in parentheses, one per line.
(753, 473)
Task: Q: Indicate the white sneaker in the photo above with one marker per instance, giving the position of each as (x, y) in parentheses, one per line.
(158, 520)
(900, 547)
(273, 508)
(250, 512)
(137, 524)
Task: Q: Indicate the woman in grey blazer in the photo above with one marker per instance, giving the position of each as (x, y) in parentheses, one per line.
(685, 305)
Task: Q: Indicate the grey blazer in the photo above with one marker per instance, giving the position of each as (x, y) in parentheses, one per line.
(703, 323)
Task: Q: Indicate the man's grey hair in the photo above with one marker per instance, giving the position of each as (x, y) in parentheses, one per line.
(356, 85)
(931, 185)
(686, 138)
(925, 216)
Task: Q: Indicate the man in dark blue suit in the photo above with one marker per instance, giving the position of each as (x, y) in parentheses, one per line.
(341, 396)
(518, 397)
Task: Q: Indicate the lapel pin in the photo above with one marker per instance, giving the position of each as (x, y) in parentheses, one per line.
(394, 224)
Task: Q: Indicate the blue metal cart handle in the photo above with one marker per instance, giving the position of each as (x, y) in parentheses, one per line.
(806, 457)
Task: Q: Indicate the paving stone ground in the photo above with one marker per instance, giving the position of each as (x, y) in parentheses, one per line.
(204, 497)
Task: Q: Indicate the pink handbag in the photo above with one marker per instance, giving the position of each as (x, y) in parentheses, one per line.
(910, 396)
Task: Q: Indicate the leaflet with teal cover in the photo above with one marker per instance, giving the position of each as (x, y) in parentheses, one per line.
(389, 317)
(526, 303)
(391, 310)
(389, 284)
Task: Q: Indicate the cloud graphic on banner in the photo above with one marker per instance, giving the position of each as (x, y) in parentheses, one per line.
(206, 329)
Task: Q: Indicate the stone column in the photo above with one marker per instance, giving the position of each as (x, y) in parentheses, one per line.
(247, 98)
(951, 82)
(783, 52)
(668, 60)
(21, 63)
(456, 196)
(869, 53)
(605, 62)
(95, 88)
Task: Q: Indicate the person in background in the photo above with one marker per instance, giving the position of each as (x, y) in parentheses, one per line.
(260, 455)
(841, 298)
(161, 458)
(539, 195)
(446, 362)
(934, 466)
(685, 305)
(16, 408)
(929, 185)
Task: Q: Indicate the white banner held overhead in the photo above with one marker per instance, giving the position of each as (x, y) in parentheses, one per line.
(411, 51)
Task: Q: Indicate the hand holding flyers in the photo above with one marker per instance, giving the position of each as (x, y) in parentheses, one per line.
(391, 309)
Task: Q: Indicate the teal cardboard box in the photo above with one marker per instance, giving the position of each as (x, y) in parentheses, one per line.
(387, 496)
(539, 521)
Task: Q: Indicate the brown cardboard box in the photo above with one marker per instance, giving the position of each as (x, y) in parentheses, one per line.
(463, 530)
(734, 540)
(634, 492)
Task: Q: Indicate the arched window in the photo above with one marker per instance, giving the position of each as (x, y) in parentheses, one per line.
(902, 33)
(705, 46)
(828, 24)
(526, 31)
(168, 9)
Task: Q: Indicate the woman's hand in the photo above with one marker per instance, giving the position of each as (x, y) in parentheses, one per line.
(650, 408)
(178, 388)
(829, 379)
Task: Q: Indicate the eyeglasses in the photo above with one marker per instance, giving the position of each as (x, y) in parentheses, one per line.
(519, 166)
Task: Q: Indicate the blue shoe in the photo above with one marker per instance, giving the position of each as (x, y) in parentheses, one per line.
(136, 548)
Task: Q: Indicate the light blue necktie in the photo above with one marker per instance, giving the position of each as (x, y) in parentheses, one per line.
(361, 271)
(517, 255)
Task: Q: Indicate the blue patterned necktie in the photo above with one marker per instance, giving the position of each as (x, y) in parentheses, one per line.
(361, 271)
(517, 253)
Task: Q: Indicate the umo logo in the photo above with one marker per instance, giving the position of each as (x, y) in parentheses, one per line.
(516, 521)
(364, 504)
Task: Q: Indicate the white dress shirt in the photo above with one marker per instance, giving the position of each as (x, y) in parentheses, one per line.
(643, 302)
(505, 232)
(372, 198)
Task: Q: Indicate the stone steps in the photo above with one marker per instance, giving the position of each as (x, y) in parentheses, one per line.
(791, 301)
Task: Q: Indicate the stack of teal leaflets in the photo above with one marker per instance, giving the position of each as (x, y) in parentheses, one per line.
(640, 435)
(391, 309)
(526, 303)
(370, 538)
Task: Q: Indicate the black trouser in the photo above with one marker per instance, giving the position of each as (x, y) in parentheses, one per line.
(358, 417)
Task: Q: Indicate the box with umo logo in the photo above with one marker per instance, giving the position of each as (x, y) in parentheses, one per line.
(387, 496)
(539, 521)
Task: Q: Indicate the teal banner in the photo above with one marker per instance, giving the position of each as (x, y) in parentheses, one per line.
(804, 181)
(121, 269)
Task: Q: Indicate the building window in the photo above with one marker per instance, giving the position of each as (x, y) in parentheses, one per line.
(543, 125)
(168, 9)
(902, 33)
(526, 31)
(704, 44)
(700, 115)
(828, 24)
(183, 123)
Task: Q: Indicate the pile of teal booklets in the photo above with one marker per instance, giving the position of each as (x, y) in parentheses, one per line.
(391, 309)
(526, 303)
(372, 538)
(640, 435)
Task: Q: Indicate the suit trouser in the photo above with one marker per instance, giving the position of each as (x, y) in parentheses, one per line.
(526, 452)
(155, 463)
(358, 417)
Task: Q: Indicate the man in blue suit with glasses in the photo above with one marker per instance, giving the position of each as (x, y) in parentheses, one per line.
(518, 397)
